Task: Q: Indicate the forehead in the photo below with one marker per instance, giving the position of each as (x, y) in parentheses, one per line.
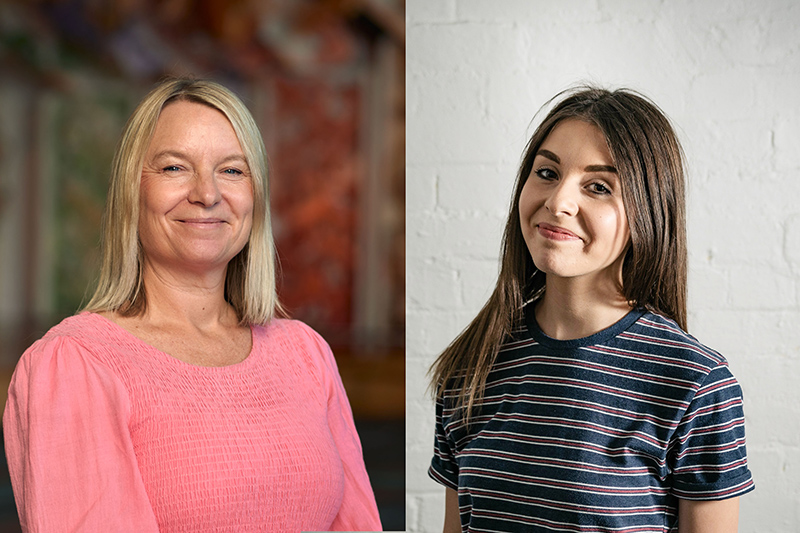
(574, 138)
(192, 122)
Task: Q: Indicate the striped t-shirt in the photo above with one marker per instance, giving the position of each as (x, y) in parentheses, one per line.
(602, 433)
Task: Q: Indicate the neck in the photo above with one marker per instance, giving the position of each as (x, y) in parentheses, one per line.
(194, 300)
(575, 308)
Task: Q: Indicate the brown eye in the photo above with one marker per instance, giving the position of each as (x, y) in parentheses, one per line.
(546, 174)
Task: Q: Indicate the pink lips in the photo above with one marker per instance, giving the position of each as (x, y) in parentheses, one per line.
(202, 222)
(556, 233)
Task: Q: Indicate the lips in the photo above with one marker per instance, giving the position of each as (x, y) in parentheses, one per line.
(202, 222)
(556, 233)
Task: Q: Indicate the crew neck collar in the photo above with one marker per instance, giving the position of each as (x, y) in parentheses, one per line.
(597, 338)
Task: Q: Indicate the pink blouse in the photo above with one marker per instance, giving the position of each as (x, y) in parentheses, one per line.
(105, 433)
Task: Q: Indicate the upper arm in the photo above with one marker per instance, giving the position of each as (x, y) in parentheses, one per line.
(358, 510)
(65, 426)
(720, 516)
(452, 515)
(709, 458)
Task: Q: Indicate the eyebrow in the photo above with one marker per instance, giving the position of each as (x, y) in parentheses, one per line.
(181, 155)
(591, 168)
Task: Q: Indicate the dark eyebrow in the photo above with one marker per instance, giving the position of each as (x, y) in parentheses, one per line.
(549, 155)
(591, 168)
(600, 168)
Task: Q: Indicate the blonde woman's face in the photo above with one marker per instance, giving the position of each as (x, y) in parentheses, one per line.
(196, 203)
(571, 209)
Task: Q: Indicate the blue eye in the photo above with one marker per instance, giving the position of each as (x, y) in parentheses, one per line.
(233, 171)
(171, 168)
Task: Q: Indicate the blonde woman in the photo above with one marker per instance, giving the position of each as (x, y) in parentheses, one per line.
(176, 401)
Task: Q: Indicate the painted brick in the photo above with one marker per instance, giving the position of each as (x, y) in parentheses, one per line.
(473, 188)
(421, 189)
(726, 73)
(471, 235)
(425, 11)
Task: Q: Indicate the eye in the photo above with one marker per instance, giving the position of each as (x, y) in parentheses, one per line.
(599, 188)
(171, 168)
(233, 172)
(546, 174)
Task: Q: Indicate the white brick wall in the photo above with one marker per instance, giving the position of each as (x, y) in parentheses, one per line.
(728, 74)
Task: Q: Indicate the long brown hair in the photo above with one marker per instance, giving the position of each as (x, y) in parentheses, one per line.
(649, 161)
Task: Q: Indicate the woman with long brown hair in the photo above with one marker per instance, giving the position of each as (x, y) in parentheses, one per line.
(575, 400)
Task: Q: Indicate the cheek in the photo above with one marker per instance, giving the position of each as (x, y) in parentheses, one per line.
(147, 207)
(527, 201)
(154, 197)
(247, 203)
(613, 225)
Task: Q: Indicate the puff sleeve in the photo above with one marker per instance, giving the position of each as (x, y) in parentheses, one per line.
(68, 444)
(358, 511)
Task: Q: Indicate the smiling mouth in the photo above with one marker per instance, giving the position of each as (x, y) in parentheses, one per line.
(202, 221)
(555, 233)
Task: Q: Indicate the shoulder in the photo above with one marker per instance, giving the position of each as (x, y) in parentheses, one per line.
(293, 334)
(78, 333)
(659, 335)
(81, 344)
(300, 344)
(70, 352)
(84, 328)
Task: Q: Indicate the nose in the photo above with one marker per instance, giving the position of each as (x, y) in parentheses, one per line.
(205, 190)
(563, 199)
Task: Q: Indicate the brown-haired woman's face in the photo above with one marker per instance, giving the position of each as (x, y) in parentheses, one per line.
(571, 210)
(196, 191)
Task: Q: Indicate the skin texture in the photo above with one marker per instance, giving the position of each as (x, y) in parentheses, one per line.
(196, 193)
(573, 220)
(196, 212)
(708, 517)
(452, 520)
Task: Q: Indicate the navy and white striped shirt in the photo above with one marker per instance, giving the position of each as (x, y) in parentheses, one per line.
(603, 433)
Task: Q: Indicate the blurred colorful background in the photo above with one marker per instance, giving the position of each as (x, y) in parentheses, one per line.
(325, 81)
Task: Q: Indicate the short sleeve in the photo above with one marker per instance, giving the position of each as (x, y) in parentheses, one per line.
(68, 444)
(709, 458)
(443, 467)
(358, 511)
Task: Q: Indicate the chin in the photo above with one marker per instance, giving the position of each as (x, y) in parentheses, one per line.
(556, 266)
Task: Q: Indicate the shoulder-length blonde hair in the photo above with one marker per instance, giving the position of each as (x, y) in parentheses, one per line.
(250, 280)
(649, 160)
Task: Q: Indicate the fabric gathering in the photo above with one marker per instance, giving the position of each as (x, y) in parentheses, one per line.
(180, 398)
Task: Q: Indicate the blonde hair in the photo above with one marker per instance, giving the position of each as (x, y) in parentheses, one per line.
(250, 279)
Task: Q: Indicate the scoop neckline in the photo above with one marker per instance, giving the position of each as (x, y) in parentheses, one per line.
(600, 337)
(120, 331)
